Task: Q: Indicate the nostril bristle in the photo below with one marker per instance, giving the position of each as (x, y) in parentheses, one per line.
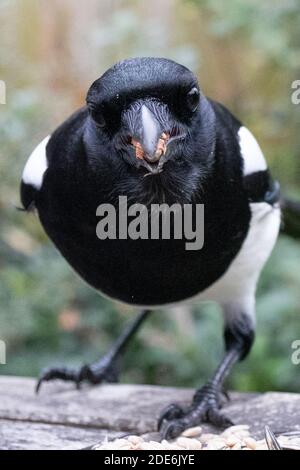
(174, 132)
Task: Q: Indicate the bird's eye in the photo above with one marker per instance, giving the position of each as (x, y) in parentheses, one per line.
(193, 98)
(97, 115)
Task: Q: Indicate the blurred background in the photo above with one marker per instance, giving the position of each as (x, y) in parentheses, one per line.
(246, 54)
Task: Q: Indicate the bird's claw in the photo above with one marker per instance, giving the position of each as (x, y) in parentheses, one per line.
(204, 408)
(172, 412)
(104, 371)
(60, 373)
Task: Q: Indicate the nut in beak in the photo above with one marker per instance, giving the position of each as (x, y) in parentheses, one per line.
(161, 148)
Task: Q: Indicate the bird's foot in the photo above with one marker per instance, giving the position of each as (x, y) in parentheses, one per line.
(103, 371)
(205, 407)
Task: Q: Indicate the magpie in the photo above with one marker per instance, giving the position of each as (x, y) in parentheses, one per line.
(149, 133)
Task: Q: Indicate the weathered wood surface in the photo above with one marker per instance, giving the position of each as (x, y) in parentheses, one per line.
(64, 418)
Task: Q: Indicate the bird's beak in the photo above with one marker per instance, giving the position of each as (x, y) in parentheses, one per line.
(150, 139)
(148, 127)
(153, 139)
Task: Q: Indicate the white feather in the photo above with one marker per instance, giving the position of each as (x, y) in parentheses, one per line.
(253, 157)
(36, 165)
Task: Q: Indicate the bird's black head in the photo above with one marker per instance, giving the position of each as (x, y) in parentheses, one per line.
(153, 117)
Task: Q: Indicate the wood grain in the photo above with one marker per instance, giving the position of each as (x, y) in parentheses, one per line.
(64, 418)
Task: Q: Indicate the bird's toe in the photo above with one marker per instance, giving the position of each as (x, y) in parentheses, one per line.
(204, 408)
(170, 413)
(218, 419)
(104, 371)
(56, 373)
(172, 429)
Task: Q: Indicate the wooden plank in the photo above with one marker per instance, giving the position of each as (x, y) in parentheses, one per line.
(22, 435)
(62, 417)
(127, 408)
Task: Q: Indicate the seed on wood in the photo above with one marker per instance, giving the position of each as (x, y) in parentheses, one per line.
(232, 440)
(250, 443)
(192, 432)
(169, 446)
(236, 428)
(204, 438)
(195, 444)
(135, 439)
(216, 444)
(156, 445)
(237, 446)
(187, 443)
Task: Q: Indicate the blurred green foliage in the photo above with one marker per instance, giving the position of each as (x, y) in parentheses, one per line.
(246, 54)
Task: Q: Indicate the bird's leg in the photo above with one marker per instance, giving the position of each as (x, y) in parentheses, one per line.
(206, 403)
(104, 370)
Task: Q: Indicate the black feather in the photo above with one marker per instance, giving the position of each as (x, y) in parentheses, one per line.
(291, 218)
(28, 196)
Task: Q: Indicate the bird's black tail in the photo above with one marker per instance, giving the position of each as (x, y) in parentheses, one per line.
(291, 218)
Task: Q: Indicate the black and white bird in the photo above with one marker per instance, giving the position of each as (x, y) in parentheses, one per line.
(109, 148)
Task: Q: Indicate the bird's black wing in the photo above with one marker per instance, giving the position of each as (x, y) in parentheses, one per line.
(27, 195)
(290, 218)
(259, 185)
(54, 149)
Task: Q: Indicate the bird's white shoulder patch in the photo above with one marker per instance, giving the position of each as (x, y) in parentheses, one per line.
(252, 155)
(36, 165)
